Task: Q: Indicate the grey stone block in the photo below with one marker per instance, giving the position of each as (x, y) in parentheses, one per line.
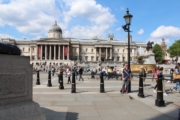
(16, 90)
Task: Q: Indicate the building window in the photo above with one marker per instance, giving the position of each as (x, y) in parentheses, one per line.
(86, 58)
(23, 49)
(86, 50)
(123, 50)
(92, 50)
(33, 49)
(118, 50)
(117, 58)
(123, 59)
(29, 49)
(92, 58)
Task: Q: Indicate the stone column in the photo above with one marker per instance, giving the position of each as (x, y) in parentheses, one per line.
(41, 52)
(63, 52)
(99, 54)
(78, 54)
(95, 54)
(45, 52)
(49, 52)
(37, 52)
(110, 53)
(54, 52)
(59, 53)
(68, 53)
(30, 53)
(106, 53)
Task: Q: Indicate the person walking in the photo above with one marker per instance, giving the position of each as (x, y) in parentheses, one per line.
(80, 74)
(69, 76)
(126, 77)
(153, 73)
(59, 75)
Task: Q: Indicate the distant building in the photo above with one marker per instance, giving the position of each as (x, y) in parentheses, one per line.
(56, 49)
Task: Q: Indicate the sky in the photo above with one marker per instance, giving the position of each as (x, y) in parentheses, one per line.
(84, 19)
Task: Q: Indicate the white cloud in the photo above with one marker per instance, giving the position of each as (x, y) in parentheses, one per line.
(140, 32)
(31, 16)
(118, 28)
(166, 32)
(37, 16)
(2, 35)
(100, 17)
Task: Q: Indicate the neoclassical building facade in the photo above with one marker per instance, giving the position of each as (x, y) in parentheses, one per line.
(56, 49)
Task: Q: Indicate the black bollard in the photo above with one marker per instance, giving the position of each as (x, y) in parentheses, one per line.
(73, 89)
(159, 100)
(49, 79)
(179, 115)
(129, 88)
(141, 91)
(38, 78)
(61, 86)
(101, 83)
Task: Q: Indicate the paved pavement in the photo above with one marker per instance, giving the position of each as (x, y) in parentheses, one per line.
(89, 104)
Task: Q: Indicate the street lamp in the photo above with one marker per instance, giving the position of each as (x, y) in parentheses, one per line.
(126, 28)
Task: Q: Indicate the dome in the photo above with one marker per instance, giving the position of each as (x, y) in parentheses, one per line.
(55, 28)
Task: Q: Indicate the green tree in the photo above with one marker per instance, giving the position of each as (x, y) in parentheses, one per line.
(159, 54)
(174, 49)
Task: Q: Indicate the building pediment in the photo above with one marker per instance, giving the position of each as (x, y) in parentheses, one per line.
(53, 41)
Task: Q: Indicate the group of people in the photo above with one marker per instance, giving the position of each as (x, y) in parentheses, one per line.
(68, 72)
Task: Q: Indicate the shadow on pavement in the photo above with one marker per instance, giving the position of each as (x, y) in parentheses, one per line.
(54, 115)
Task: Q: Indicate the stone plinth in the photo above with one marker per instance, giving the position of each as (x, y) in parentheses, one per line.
(16, 89)
(150, 59)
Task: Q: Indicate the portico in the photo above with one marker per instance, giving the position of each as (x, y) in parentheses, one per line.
(52, 52)
(103, 52)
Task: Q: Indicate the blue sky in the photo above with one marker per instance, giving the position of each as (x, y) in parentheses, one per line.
(31, 19)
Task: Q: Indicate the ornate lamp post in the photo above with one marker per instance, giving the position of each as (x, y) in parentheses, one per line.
(126, 28)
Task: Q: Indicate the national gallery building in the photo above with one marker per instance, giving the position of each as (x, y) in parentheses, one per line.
(56, 49)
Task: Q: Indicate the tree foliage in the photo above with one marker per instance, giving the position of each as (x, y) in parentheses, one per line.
(159, 54)
(174, 49)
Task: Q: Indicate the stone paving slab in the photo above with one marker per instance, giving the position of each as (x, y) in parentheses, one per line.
(88, 103)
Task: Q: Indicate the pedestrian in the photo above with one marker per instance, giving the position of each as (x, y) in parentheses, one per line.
(146, 72)
(59, 75)
(126, 77)
(53, 71)
(153, 73)
(156, 78)
(122, 70)
(171, 75)
(80, 74)
(69, 76)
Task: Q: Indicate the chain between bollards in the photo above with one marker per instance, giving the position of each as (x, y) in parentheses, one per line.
(101, 83)
(61, 86)
(73, 89)
(159, 100)
(141, 89)
(38, 78)
(49, 79)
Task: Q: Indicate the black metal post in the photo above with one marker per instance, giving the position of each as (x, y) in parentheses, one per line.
(159, 100)
(49, 79)
(73, 89)
(61, 86)
(179, 115)
(129, 65)
(101, 83)
(141, 91)
(38, 78)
